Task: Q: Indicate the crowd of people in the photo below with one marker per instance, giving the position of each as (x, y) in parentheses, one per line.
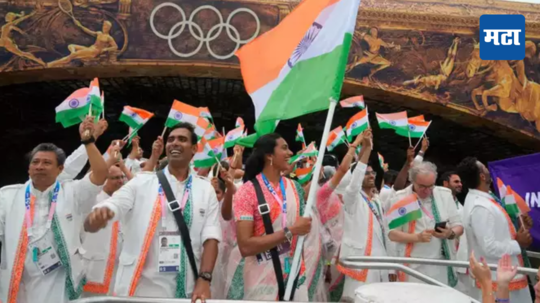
(159, 228)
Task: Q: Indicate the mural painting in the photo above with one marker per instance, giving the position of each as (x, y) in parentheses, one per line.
(425, 49)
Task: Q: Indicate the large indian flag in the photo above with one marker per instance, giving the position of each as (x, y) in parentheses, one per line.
(393, 121)
(404, 211)
(181, 112)
(73, 110)
(335, 138)
(135, 117)
(295, 68)
(357, 124)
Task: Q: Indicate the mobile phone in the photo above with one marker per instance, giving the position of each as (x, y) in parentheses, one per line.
(440, 225)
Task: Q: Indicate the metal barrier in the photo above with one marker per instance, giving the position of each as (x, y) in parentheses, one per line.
(533, 254)
(151, 300)
(359, 262)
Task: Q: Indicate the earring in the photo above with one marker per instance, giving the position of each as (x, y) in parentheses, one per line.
(271, 161)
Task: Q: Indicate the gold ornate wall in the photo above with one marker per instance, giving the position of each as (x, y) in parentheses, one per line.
(421, 54)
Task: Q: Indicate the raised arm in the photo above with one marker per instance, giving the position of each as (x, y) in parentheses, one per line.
(85, 29)
(97, 163)
(157, 150)
(346, 162)
(360, 170)
(226, 206)
(401, 180)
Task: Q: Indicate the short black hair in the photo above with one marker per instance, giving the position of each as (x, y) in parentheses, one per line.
(446, 176)
(469, 172)
(190, 128)
(390, 176)
(49, 147)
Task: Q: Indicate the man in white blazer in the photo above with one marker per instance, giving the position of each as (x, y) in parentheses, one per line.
(40, 224)
(489, 230)
(420, 239)
(147, 269)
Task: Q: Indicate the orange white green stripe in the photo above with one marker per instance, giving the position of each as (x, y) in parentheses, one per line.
(73, 110)
(381, 160)
(135, 117)
(304, 174)
(94, 95)
(356, 101)
(335, 138)
(357, 124)
(204, 112)
(404, 211)
(233, 136)
(416, 129)
(309, 151)
(393, 121)
(300, 135)
(307, 50)
(514, 203)
(206, 155)
(181, 112)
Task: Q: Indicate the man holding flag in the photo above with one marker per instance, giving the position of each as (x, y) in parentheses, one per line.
(412, 220)
(489, 229)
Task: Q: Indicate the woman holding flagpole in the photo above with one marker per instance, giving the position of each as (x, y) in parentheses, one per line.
(282, 202)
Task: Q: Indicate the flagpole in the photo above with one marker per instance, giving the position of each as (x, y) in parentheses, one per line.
(163, 132)
(369, 125)
(422, 135)
(103, 105)
(295, 266)
(409, 132)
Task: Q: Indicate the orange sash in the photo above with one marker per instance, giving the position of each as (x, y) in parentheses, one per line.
(98, 288)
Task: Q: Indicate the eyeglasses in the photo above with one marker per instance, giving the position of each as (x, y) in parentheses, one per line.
(372, 173)
(421, 186)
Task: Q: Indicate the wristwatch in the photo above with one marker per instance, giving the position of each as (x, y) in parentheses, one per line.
(288, 234)
(91, 139)
(206, 276)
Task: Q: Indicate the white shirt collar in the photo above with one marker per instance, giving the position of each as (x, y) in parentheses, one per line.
(38, 193)
(480, 193)
(172, 178)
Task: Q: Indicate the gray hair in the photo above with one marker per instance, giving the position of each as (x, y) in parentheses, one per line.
(329, 172)
(49, 147)
(421, 169)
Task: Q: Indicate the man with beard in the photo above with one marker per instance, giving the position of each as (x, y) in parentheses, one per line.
(452, 181)
(147, 269)
(490, 231)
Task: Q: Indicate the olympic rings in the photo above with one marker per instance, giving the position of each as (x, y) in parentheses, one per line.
(197, 33)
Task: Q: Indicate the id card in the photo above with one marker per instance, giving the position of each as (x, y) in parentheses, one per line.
(45, 257)
(283, 248)
(169, 252)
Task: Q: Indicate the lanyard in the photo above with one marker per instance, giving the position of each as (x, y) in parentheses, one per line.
(424, 210)
(164, 202)
(282, 202)
(375, 211)
(29, 201)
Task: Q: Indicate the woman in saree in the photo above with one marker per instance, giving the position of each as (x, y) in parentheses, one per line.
(256, 279)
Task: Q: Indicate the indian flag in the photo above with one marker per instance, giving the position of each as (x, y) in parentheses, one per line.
(73, 110)
(300, 135)
(94, 95)
(209, 152)
(416, 129)
(135, 117)
(307, 50)
(381, 160)
(233, 136)
(404, 211)
(205, 113)
(201, 128)
(304, 174)
(335, 138)
(181, 112)
(309, 151)
(513, 202)
(210, 132)
(356, 101)
(417, 119)
(393, 121)
(239, 122)
(357, 124)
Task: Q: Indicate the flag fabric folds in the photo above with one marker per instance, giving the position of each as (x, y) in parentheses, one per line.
(74, 109)
(309, 151)
(336, 137)
(181, 112)
(304, 174)
(135, 117)
(357, 124)
(395, 121)
(356, 101)
(281, 67)
(233, 136)
(300, 135)
(404, 211)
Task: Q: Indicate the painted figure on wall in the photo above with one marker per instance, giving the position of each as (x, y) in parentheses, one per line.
(104, 44)
(446, 68)
(6, 41)
(373, 55)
